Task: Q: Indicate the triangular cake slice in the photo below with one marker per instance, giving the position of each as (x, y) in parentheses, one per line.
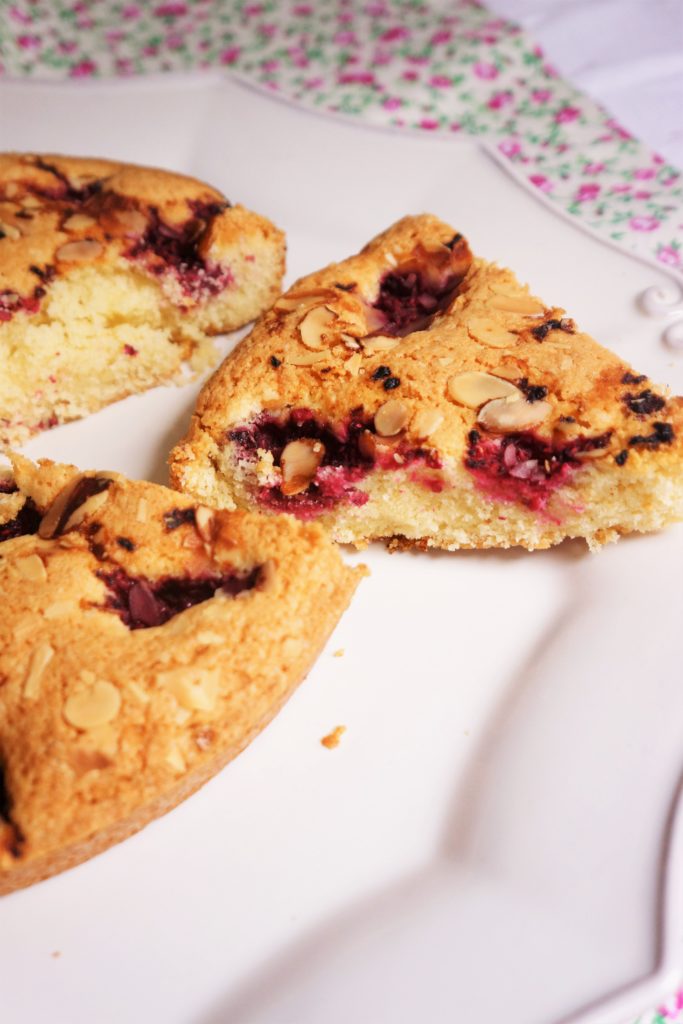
(144, 641)
(414, 392)
(111, 277)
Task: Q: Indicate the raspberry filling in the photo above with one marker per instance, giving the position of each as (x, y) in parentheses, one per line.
(524, 467)
(409, 300)
(26, 522)
(174, 249)
(351, 451)
(141, 603)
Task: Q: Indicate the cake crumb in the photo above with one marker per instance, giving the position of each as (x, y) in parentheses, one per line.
(56, 954)
(333, 738)
(339, 653)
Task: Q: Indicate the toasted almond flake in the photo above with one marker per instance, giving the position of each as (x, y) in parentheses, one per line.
(30, 202)
(88, 508)
(9, 231)
(517, 304)
(314, 328)
(490, 333)
(379, 343)
(133, 222)
(474, 388)
(82, 251)
(175, 759)
(98, 704)
(391, 259)
(137, 691)
(426, 422)
(299, 463)
(350, 341)
(194, 689)
(40, 659)
(510, 414)
(59, 609)
(297, 300)
(31, 568)
(79, 222)
(391, 418)
(308, 358)
(352, 365)
(333, 738)
(203, 518)
(141, 511)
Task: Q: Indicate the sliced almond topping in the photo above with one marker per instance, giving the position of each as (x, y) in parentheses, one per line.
(175, 758)
(80, 252)
(133, 222)
(391, 418)
(509, 414)
(350, 342)
(353, 364)
(40, 659)
(426, 422)
(79, 222)
(517, 304)
(203, 518)
(141, 511)
(308, 358)
(299, 463)
(31, 568)
(314, 328)
(31, 202)
(194, 689)
(300, 299)
(475, 388)
(88, 508)
(78, 491)
(379, 343)
(489, 333)
(9, 231)
(59, 609)
(98, 704)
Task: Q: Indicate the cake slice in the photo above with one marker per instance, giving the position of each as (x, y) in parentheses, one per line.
(144, 641)
(417, 394)
(111, 278)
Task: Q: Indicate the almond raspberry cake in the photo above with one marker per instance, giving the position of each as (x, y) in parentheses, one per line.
(418, 394)
(112, 276)
(144, 641)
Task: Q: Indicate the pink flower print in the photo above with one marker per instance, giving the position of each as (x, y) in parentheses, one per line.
(302, 10)
(443, 36)
(67, 46)
(440, 82)
(509, 147)
(549, 71)
(124, 66)
(170, 10)
(381, 57)
(567, 114)
(345, 18)
(268, 31)
(230, 55)
(620, 188)
(346, 38)
(29, 42)
(270, 65)
(644, 223)
(455, 127)
(593, 168)
(392, 103)
(499, 100)
(130, 12)
(313, 83)
(150, 51)
(20, 16)
(540, 181)
(376, 10)
(392, 34)
(670, 181)
(252, 10)
(618, 130)
(83, 69)
(541, 95)
(174, 41)
(644, 173)
(586, 192)
(642, 194)
(485, 70)
(410, 76)
(429, 124)
(357, 78)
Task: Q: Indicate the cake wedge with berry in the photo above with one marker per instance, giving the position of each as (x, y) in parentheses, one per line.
(145, 639)
(112, 280)
(420, 395)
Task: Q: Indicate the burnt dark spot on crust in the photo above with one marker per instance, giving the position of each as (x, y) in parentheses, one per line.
(644, 403)
(631, 378)
(544, 329)
(126, 543)
(45, 273)
(532, 392)
(24, 215)
(67, 191)
(663, 433)
(457, 237)
(178, 517)
(275, 362)
(621, 458)
(381, 372)
(391, 382)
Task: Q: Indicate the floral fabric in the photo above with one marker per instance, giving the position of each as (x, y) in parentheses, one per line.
(453, 68)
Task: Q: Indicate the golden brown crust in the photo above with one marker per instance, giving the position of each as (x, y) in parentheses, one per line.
(118, 272)
(568, 386)
(104, 727)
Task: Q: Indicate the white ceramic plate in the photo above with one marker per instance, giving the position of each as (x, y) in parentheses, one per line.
(487, 841)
